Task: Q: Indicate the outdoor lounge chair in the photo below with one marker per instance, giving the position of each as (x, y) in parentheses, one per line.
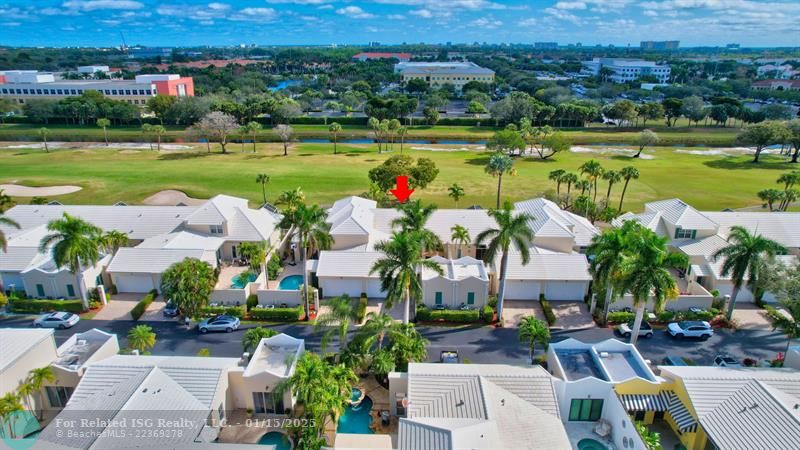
(603, 428)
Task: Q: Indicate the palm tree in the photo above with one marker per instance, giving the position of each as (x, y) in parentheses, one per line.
(413, 219)
(147, 130)
(584, 185)
(25, 391)
(605, 259)
(376, 327)
(113, 240)
(73, 243)
(499, 164)
(334, 129)
(398, 268)
(511, 229)
(253, 128)
(455, 192)
(341, 313)
(252, 337)
(263, 179)
(533, 331)
(104, 124)
(557, 176)
(628, 173)
(43, 132)
(460, 237)
(401, 134)
(291, 199)
(9, 222)
(789, 326)
(141, 338)
(313, 234)
(383, 362)
(9, 405)
(770, 196)
(645, 271)
(743, 257)
(36, 379)
(407, 345)
(593, 171)
(612, 176)
(570, 179)
(5, 201)
(159, 131)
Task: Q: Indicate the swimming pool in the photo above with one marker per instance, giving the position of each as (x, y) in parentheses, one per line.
(291, 283)
(237, 282)
(276, 438)
(579, 364)
(591, 444)
(356, 418)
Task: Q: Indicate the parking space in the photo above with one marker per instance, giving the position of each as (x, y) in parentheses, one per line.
(119, 308)
(515, 310)
(572, 315)
(750, 316)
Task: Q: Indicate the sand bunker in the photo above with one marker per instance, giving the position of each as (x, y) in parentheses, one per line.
(471, 148)
(728, 151)
(96, 145)
(611, 151)
(16, 190)
(172, 197)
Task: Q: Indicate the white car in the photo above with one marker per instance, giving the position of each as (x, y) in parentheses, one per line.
(726, 361)
(690, 328)
(626, 329)
(59, 319)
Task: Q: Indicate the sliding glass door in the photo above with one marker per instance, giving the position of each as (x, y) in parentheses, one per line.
(267, 403)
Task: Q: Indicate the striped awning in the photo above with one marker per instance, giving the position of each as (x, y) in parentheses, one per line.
(645, 402)
(680, 414)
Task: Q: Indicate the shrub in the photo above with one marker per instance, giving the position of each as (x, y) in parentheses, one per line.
(278, 314)
(548, 310)
(620, 317)
(362, 308)
(94, 304)
(492, 303)
(448, 315)
(702, 315)
(666, 316)
(487, 313)
(235, 311)
(112, 290)
(3, 300)
(21, 305)
(252, 301)
(145, 302)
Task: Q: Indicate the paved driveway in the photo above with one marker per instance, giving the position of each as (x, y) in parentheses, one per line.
(515, 310)
(572, 315)
(751, 316)
(119, 308)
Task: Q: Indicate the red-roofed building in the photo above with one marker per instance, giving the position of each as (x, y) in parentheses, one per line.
(366, 56)
(776, 85)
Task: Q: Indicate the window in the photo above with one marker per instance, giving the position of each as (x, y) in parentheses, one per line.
(680, 233)
(470, 298)
(70, 291)
(267, 403)
(438, 297)
(40, 290)
(585, 410)
(215, 229)
(58, 395)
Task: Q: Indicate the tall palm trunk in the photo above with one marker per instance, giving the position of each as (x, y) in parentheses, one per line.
(407, 309)
(732, 303)
(306, 287)
(607, 304)
(501, 293)
(499, 185)
(622, 196)
(254, 141)
(82, 289)
(637, 322)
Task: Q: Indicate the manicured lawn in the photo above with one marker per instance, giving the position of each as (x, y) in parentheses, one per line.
(107, 176)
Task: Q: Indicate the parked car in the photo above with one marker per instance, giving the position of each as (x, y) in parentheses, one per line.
(59, 319)
(726, 361)
(690, 328)
(219, 323)
(449, 357)
(626, 329)
(171, 310)
(674, 361)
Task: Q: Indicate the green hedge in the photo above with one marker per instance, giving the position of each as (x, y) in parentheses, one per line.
(145, 302)
(487, 313)
(252, 301)
(548, 311)
(235, 311)
(278, 314)
(620, 317)
(18, 305)
(448, 315)
(669, 316)
(362, 308)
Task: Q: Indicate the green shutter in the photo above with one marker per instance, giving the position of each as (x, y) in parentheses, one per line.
(40, 290)
(438, 298)
(574, 409)
(597, 410)
(470, 298)
(70, 291)
(677, 233)
(694, 234)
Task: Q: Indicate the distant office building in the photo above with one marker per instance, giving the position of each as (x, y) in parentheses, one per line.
(545, 45)
(732, 47)
(366, 56)
(776, 85)
(784, 71)
(439, 73)
(22, 85)
(150, 52)
(659, 45)
(625, 70)
(94, 69)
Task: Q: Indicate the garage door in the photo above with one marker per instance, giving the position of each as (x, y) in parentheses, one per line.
(374, 289)
(522, 290)
(565, 290)
(134, 283)
(337, 287)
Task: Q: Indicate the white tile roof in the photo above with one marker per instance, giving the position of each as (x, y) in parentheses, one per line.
(782, 227)
(16, 342)
(352, 216)
(552, 221)
(347, 264)
(457, 269)
(442, 221)
(17, 259)
(276, 355)
(548, 266)
(183, 240)
(677, 212)
(151, 260)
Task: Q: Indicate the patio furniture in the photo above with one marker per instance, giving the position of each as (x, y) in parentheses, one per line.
(602, 428)
(439, 307)
(259, 306)
(284, 305)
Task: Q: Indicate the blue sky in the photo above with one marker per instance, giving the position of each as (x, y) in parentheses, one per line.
(231, 22)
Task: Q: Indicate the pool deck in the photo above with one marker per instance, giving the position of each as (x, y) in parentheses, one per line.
(287, 271)
(238, 432)
(226, 275)
(578, 431)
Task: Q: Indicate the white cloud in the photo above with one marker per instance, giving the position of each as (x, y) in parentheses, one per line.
(219, 6)
(570, 5)
(396, 17)
(472, 5)
(92, 5)
(529, 22)
(486, 23)
(354, 12)
(424, 13)
(11, 24)
(254, 15)
(325, 7)
(651, 13)
(300, 2)
(563, 15)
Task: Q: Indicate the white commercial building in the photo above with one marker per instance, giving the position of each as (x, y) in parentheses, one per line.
(625, 70)
(437, 74)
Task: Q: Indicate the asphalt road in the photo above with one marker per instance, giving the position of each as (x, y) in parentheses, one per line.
(478, 344)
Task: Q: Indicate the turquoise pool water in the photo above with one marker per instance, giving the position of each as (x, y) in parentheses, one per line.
(591, 444)
(355, 394)
(276, 438)
(238, 282)
(356, 418)
(291, 283)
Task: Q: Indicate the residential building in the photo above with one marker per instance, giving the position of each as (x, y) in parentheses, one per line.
(463, 281)
(776, 85)
(477, 406)
(625, 70)
(437, 74)
(20, 86)
(700, 235)
(783, 71)
(22, 350)
(659, 45)
(367, 56)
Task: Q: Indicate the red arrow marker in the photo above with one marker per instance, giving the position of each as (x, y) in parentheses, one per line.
(402, 192)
